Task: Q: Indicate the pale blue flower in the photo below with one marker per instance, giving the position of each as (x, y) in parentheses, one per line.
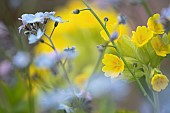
(34, 38)
(165, 13)
(27, 18)
(57, 99)
(70, 53)
(21, 59)
(47, 60)
(39, 17)
(49, 14)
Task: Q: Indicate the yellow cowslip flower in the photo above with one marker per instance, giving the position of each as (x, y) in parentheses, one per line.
(113, 65)
(141, 36)
(155, 25)
(120, 29)
(159, 82)
(160, 48)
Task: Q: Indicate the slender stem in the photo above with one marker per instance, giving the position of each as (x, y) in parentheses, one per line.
(62, 65)
(156, 102)
(52, 32)
(48, 44)
(84, 9)
(119, 53)
(30, 96)
(146, 7)
(97, 64)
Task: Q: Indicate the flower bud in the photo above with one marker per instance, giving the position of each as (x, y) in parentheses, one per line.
(122, 19)
(114, 36)
(76, 11)
(100, 47)
(56, 24)
(106, 19)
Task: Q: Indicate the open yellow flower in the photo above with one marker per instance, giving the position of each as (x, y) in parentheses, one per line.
(159, 82)
(155, 25)
(113, 65)
(160, 48)
(141, 36)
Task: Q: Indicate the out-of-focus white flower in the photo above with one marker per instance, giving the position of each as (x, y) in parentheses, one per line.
(55, 98)
(47, 60)
(34, 38)
(69, 53)
(21, 59)
(101, 85)
(165, 13)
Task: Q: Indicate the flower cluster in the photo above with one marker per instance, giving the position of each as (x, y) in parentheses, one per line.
(146, 48)
(34, 24)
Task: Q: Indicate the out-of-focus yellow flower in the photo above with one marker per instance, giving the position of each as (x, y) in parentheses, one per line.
(81, 79)
(159, 82)
(155, 25)
(120, 29)
(141, 36)
(160, 48)
(40, 78)
(113, 65)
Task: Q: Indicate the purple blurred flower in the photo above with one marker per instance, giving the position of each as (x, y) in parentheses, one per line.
(5, 68)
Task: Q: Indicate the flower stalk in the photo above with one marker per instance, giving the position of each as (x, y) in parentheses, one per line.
(118, 51)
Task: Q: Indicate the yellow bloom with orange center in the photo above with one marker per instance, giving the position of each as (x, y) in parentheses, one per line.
(159, 82)
(160, 48)
(120, 29)
(155, 25)
(113, 65)
(141, 36)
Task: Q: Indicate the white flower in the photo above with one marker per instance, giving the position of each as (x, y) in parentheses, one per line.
(27, 18)
(48, 14)
(21, 59)
(34, 38)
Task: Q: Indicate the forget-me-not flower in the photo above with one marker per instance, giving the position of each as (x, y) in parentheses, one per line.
(34, 38)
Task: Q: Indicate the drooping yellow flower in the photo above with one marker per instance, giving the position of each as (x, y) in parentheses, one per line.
(113, 65)
(155, 25)
(160, 48)
(120, 29)
(159, 82)
(141, 36)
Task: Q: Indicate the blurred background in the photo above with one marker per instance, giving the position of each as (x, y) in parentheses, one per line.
(81, 31)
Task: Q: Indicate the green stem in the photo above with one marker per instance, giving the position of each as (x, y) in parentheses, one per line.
(146, 7)
(62, 65)
(156, 102)
(84, 9)
(97, 64)
(30, 96)
(119, 53)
